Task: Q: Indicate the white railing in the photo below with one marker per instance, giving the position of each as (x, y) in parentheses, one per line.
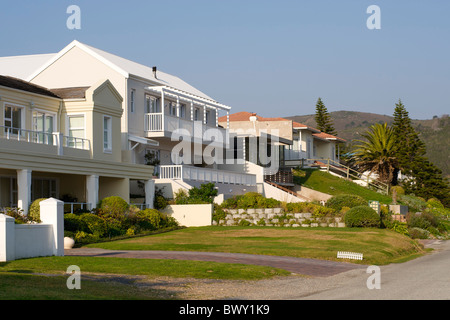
(183, 172)
(349, 255)
(153, 122)
(156, 122)
(71, 207)
(40, 137)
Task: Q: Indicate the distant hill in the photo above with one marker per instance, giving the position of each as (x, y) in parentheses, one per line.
(434, 132)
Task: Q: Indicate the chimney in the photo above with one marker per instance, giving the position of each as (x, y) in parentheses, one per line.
(154, 72)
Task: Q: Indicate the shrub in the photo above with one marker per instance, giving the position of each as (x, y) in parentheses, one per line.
(94, 223)
(205, 194)
(17, 214)
(152, 219)
(434, 203)
(398, 189)
(414, 203)
(337, 202)
(160, 202)
(74, 223)
(418, 233)
(34, 212)
(252, 200)
(362, 216)
(114, 205)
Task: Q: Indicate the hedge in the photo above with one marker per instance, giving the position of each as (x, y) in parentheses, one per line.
(362, 216)
(337, 202)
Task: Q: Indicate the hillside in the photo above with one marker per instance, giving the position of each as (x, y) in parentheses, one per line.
(434, 132)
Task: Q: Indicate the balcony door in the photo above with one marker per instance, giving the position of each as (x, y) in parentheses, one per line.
(152, 104)
(43, 125)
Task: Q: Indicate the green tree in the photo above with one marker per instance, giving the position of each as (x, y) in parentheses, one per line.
(323, 119)
(410, 148)
(377, 153)
(423, 177)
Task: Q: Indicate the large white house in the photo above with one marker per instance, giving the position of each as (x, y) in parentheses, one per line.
(155, 104)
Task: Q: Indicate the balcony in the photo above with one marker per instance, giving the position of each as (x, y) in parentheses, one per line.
(160, 125)
(183, 172)
(54, 142)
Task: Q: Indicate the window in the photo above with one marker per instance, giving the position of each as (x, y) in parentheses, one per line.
(107, 134)
(172, 108)
(13, 118)
(132, 97)
(182, 111)
(44, 124)
(76, 131)
(196, 114)
(207, 116)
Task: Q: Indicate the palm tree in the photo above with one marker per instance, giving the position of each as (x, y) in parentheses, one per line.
(378, 153)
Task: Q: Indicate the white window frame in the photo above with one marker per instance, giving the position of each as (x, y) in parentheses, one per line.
(22, 116)
(108, 131)
(68, 116)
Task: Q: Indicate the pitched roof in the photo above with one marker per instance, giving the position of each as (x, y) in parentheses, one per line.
(20, 84)
(22, 66)
(245, 116)
(327, 136)
(28, 66)
(146, 72)
(298, 125)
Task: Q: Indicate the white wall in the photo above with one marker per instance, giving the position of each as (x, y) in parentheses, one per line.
(191, 215)
(18, 241)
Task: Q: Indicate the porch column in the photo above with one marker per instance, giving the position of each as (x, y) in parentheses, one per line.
(149, 193)
(92, 191)
(24, 189)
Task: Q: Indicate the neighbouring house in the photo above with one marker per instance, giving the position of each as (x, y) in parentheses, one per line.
(64, 143)
(295, 145)
(155, 105)
(295, 141)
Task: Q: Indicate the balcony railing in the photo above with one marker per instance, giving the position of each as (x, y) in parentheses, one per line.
(157, 122)
(40, 137)
(183, 172)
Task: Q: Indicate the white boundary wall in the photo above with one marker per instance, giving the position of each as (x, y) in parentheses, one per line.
(191, 215)
(19, 241)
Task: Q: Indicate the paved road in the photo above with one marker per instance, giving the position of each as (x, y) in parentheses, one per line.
(424, 278)
(309, 267)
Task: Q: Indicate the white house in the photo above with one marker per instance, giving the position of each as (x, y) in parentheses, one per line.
(155, 104)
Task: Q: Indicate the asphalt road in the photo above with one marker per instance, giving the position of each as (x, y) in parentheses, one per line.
(424, 278)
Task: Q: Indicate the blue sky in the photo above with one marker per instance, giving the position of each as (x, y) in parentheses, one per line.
(271, 57)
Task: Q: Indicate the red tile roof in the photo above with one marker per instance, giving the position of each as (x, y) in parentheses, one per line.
(245, 116)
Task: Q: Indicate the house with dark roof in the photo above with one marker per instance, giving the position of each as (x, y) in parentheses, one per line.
(159, 112)
(63, 143)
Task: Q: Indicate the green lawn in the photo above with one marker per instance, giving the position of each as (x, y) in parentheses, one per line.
(45, 278)
(328, 183)
(379, 246)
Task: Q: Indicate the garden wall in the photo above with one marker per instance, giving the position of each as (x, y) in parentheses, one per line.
(191, 215)
(19, 241)
(277, 217)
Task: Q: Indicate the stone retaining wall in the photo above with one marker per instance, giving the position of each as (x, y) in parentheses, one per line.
(276, 217)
